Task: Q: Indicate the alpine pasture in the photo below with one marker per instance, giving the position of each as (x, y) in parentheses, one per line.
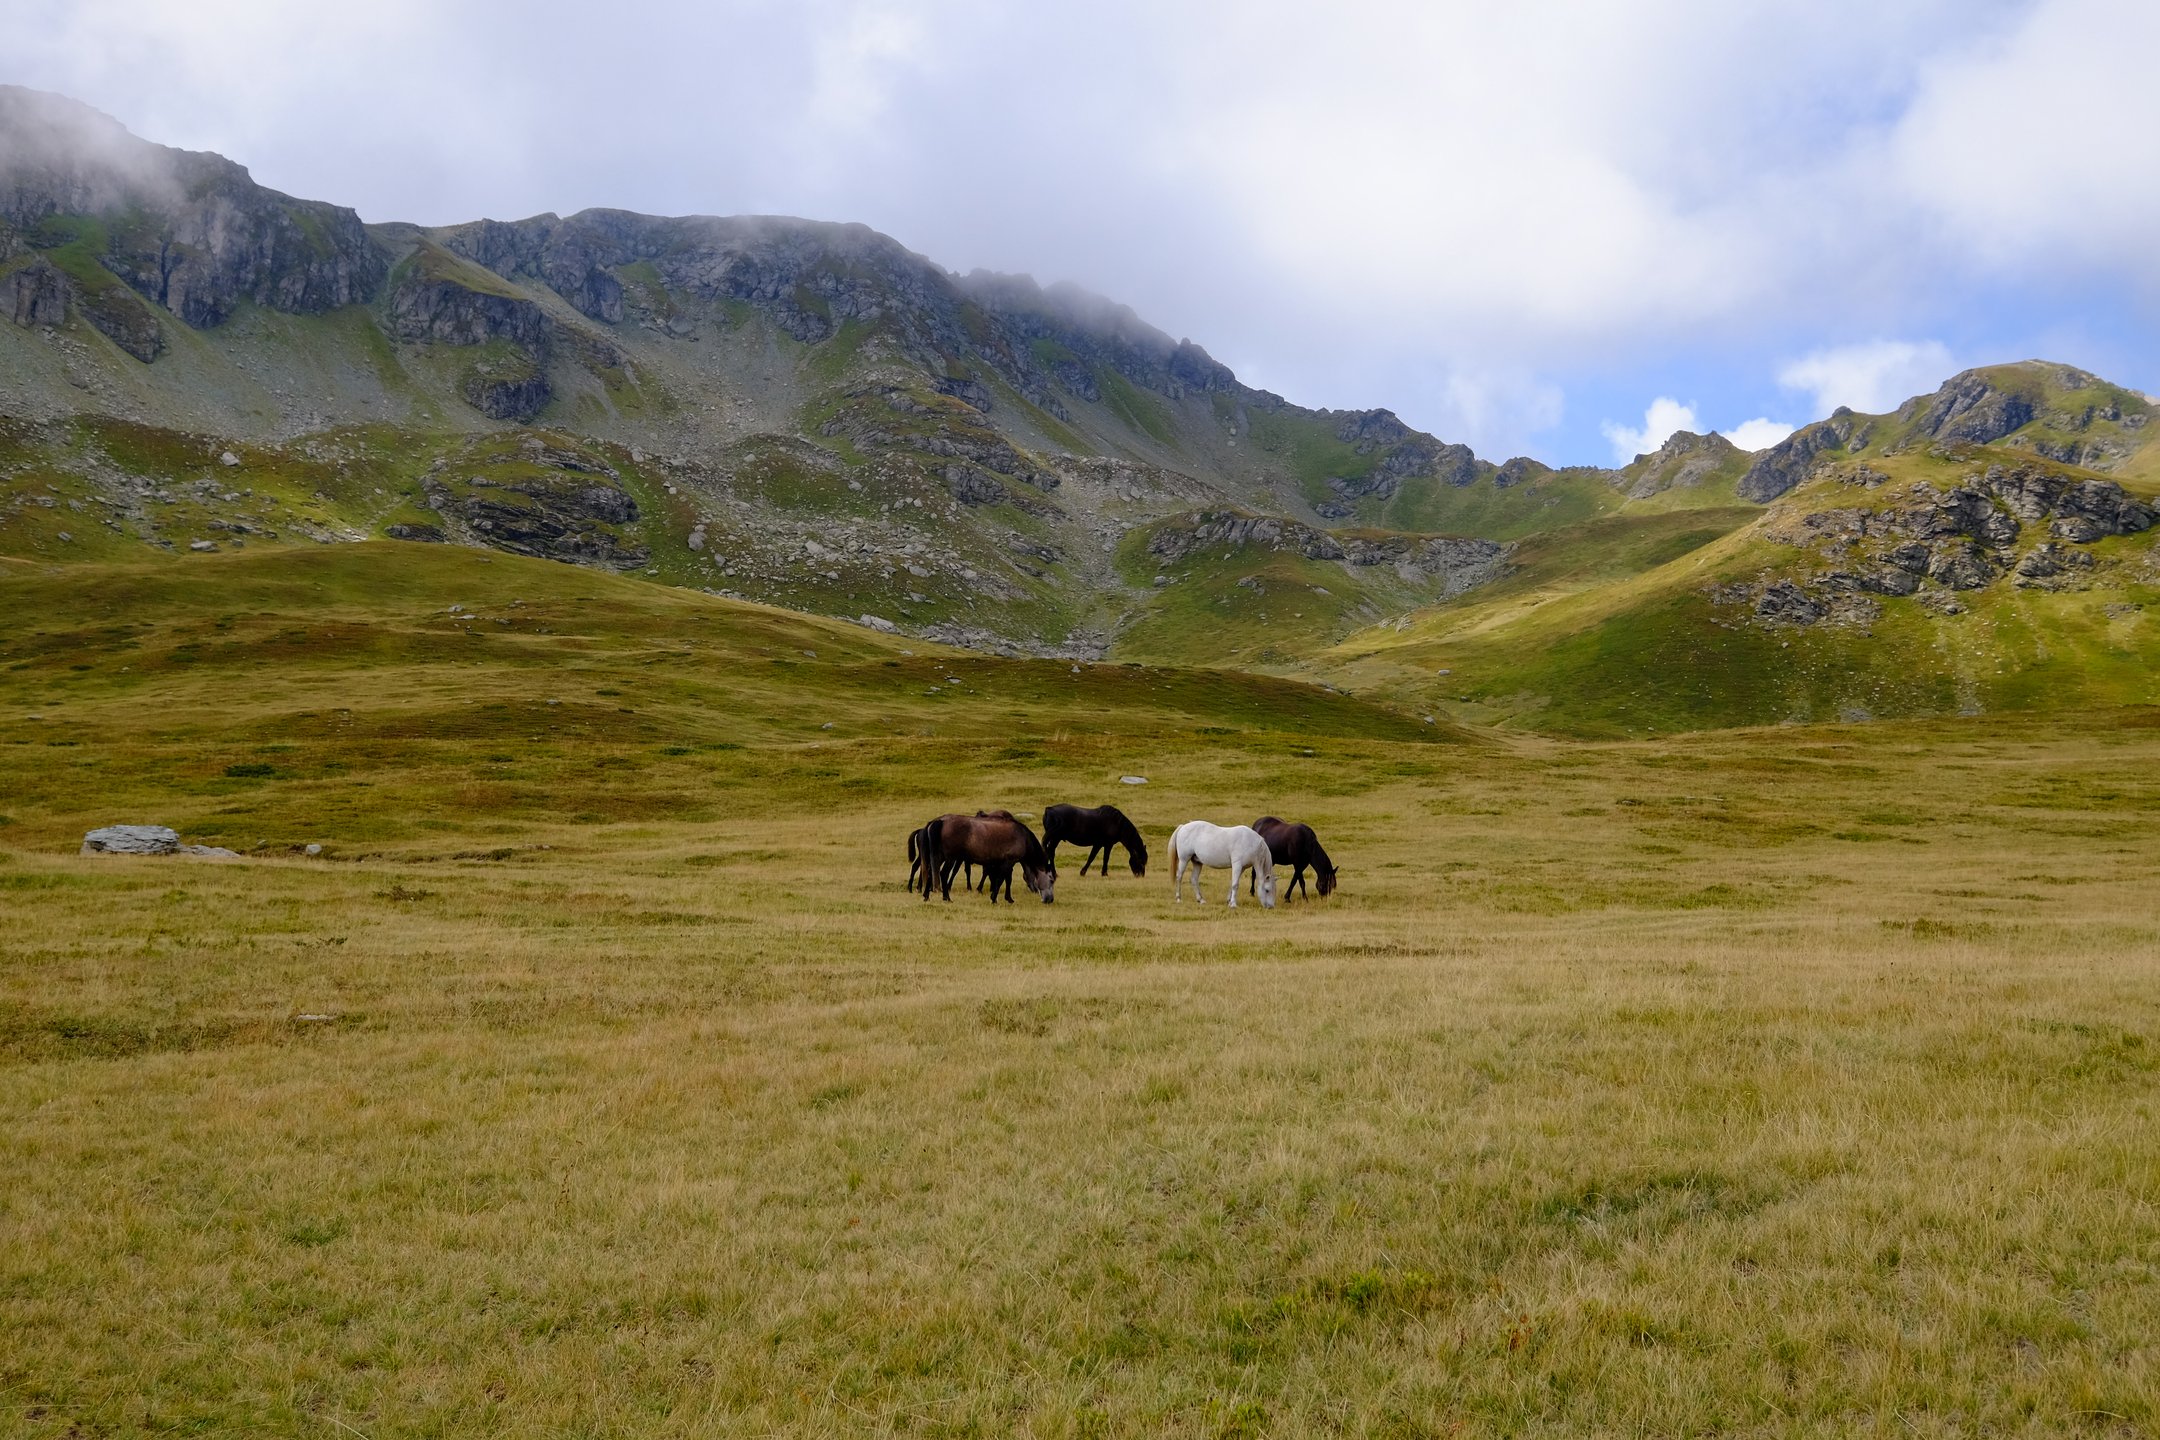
(601, 1076)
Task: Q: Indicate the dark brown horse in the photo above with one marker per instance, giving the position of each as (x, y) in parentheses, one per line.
(1100, 829)
(1298, 847)
(916, 839)
(995, 841)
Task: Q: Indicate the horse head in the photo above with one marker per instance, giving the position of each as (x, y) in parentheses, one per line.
(1036, 866)
(1135, 849)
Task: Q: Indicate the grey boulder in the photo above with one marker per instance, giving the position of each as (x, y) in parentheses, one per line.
(132, 840)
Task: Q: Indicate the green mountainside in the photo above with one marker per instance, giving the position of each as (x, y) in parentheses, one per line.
(811, 416)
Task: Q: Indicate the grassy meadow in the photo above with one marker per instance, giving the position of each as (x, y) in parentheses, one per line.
(600, 1078)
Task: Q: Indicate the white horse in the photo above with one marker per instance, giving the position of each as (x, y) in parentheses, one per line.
(1200, 844)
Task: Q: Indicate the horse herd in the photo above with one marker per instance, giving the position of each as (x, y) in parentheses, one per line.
(998, 844)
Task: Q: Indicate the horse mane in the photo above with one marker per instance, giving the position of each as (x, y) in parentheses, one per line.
(1033, 855)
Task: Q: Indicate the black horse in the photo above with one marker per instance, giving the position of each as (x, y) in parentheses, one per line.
(1100, 829)
(1297, 846)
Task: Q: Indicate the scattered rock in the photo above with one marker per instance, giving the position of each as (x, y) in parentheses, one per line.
(210, 852)
(228, 459)
(202, 545)
(1132, 779)
(311, 849)
(879, 622)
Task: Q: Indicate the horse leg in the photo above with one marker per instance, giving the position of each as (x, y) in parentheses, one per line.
(1197, 867)
(1234, 878)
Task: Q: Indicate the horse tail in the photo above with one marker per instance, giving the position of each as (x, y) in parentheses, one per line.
(933, 855)
(1322, 866)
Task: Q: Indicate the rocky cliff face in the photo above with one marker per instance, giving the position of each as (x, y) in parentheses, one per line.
(1791, 460)
(189, 232)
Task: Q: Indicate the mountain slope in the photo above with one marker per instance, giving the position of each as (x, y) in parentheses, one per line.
(812, 415)
(802, 412)
(1910, 572)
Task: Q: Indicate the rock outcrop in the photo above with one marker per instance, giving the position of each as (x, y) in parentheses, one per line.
(554, 502)
(1965, 538)
(38, 293)
(187, 231)
(1400, 453)
(1683, 461)
(1790, 461)
(1457, 563)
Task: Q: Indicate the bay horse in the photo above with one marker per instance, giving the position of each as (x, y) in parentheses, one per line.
(995, 841)
(1296, 845)
(1100, 829)
(1200, 844)
(916, 840)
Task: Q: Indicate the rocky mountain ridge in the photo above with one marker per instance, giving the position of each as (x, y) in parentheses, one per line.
(813, 415)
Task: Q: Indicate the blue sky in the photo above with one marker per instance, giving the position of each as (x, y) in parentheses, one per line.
(1522, 226)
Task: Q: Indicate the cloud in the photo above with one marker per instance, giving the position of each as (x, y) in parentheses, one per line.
(1415, 196)
(1758, 434)
(1871, 377)
(2085, 111)
(1665, 416)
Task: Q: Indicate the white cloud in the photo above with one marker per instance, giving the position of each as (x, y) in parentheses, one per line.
(2061, 175)
(1758, 434)
(1543, 189)
(1665, 416)
(1871, 377)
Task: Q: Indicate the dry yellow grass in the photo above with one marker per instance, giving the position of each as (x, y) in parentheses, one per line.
(1777, 1083)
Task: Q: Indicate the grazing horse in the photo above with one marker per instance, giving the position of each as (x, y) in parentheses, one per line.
(1296, 845)
(993, 840)
(916, 840)
(1100, 829)
(1239, 847)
